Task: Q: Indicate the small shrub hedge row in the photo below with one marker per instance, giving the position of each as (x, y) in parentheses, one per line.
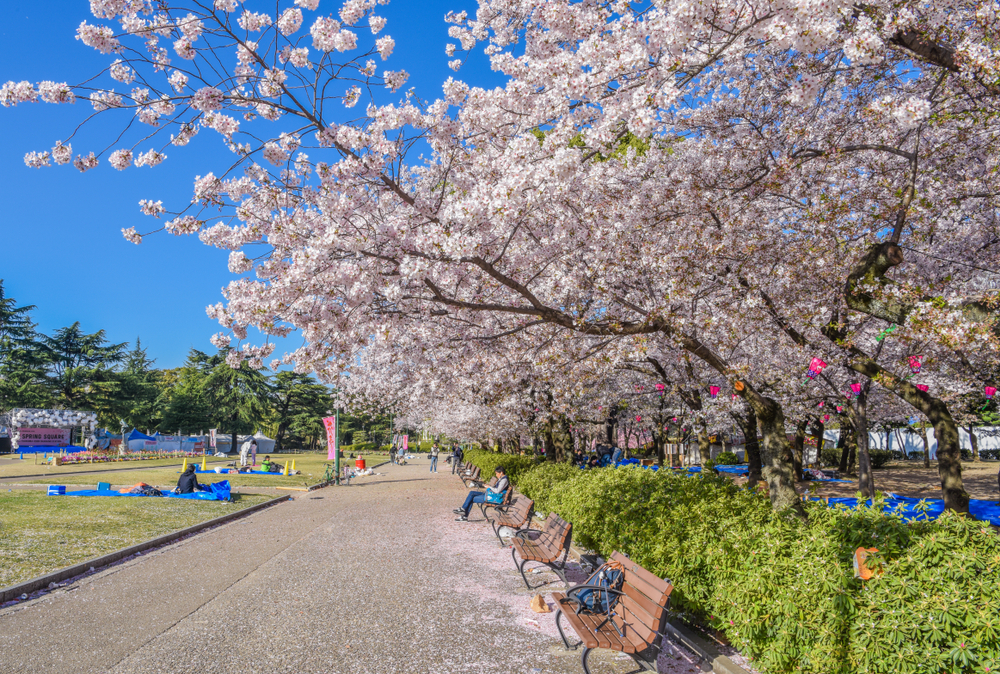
(487, 462)
(782, 590)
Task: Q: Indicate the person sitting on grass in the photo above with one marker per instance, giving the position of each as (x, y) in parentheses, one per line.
(188, 481)
(269, 466)
(480, 496)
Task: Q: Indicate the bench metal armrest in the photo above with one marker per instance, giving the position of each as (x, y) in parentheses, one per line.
(523, 533)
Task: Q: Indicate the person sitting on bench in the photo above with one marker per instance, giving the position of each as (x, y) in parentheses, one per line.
(480, 496)
(269, 466)
(188, 481)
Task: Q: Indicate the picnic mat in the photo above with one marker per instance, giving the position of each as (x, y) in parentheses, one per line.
(906, 507)
(217, 491)
(199, 471)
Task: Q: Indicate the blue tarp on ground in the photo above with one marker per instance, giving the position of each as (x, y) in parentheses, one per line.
(217, 491)
(30, 449)
(906, 508)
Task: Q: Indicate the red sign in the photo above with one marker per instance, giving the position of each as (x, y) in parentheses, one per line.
(43, 437)
(330, 423)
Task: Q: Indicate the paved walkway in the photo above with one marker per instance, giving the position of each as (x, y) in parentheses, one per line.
(375, 577)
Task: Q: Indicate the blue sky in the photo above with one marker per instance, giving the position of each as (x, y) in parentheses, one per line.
(60, 230)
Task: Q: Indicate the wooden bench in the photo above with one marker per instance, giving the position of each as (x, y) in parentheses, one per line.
(507, 495)
(550, 547)
(513, 516)
(471, 478)
(635, 624)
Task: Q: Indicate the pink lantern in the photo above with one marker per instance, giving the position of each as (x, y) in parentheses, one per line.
(855, 390)
(713, 391)
(674, 420)
(638, 418)
(821, 403)
(660, 387)
(826, 417)
(816, 366)
(915, 364)
(990, 391)
(922, 387)
(839, 409)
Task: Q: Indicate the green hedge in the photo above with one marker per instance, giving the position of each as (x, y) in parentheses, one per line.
(487, 461)
(784, 591)
(537, 484)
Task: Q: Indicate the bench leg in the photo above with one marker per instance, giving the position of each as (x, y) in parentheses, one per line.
(583, 660)
(563, 634)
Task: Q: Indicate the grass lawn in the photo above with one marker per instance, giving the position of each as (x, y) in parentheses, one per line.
(312, 468)
(14, 467)
(40, 533)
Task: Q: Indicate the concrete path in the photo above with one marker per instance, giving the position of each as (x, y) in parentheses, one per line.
(375, 577)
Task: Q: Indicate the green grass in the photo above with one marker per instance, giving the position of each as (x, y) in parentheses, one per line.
(312, 468)
(13, 468)
(40, 533)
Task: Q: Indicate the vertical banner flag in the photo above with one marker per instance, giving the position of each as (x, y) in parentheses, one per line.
(406, 443)
(211, 438)
(330, 423)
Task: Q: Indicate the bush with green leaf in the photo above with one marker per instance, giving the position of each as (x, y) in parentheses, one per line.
(880, 457)
(487, 461)
(783, 590)
(727, 459)
(538, 482)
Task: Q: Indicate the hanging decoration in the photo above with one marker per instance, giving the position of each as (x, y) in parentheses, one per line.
(915, 365)
(816, 366)
(922, 387)
(855, 390)
(660, 388)
(713, 392)
(826, 418)
(989, 391)
(840, 410)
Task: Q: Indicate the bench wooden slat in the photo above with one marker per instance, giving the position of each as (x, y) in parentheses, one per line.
(585, 625)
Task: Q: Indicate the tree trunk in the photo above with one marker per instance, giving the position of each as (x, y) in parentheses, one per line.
(927, 445)
(704, 449)
(798, 448)
(818, 430)
(842, 446)
(550, 445)
(749, 425)
(859, 417)
(949, 451)
(974, 442)
(776, 454)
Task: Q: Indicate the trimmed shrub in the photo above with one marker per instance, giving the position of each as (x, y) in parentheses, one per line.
(726, 459)
(538, 482)
(880, 457)
(830, 456)
(783, 590)
(487, 461)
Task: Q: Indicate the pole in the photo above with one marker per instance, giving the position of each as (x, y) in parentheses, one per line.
(336, 453)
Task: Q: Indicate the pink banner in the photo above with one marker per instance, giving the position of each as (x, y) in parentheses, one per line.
(43, 437)
(406, 443)
(330, 423)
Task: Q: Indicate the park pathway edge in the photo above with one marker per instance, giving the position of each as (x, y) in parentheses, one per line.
(41, 582)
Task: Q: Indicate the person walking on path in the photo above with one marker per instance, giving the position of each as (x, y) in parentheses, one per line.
(456, 458)
(435, 451)
(480, 496)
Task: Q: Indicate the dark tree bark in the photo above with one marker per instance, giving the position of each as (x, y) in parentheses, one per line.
(859, 417)
(798, 449)
(927, 445)
(818, 430)
(748, 424)
(704, 449)
(844, 444)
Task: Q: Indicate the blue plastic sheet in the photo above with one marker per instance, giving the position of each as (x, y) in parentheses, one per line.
(48, 449)
(906, 508)
(217, 491)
